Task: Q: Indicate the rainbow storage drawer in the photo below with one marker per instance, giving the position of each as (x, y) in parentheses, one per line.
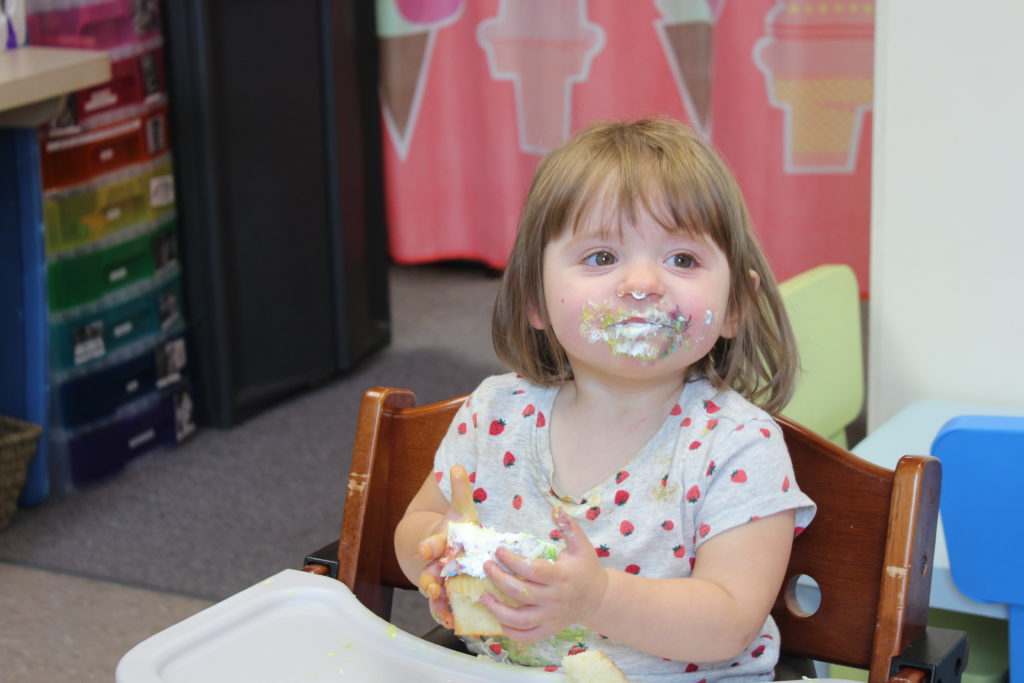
(135, 80)
(100, 394)
(95, 25)
(77, 159)
(91, 211)
(92, 455)
(97, 332)
(96, 274)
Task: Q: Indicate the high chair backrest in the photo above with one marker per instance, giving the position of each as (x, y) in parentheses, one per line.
(868, 548)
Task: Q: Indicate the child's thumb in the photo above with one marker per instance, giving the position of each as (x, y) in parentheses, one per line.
(576, 540)
(462, 494)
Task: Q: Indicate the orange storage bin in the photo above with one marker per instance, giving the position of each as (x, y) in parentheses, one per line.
(79, 158)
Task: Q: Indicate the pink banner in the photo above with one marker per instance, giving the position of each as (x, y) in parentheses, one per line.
(474, 92)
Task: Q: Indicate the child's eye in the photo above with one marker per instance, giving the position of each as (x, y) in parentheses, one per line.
(600, 258)
(681, 261)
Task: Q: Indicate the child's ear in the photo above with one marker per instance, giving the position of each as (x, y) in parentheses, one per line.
(732, 323)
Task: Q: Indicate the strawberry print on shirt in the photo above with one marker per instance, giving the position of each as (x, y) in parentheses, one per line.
(716, 462)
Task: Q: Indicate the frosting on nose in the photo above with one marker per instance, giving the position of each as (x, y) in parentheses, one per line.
(635, 293)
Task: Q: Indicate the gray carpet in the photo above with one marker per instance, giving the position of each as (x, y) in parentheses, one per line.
(230, 507)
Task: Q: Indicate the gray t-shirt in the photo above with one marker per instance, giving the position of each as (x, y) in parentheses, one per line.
(716, 462)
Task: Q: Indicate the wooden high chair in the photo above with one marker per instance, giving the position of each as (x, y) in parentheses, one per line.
(868, 548)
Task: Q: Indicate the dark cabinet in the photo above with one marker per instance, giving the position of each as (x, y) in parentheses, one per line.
(276, 131)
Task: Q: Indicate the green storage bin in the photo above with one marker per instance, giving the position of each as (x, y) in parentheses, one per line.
(78, 341)
(988, 660)
(74, 218)
(91, 276)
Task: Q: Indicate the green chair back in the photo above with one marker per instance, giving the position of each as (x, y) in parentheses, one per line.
(824, 309)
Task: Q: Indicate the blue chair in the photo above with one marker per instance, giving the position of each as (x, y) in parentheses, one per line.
(982, 506)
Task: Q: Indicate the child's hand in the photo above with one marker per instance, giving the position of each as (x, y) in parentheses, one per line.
(432, 548)
(554, 594)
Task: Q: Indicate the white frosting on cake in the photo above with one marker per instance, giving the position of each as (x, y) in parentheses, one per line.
(470, 545)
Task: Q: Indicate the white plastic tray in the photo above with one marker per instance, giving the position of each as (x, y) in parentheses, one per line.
(297, 626)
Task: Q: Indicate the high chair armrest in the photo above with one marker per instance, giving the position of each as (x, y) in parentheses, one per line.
(940, 653)
(324, 561)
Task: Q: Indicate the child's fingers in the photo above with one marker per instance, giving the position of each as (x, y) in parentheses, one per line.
(432, 547)
(538, 571)
(576, 541)
(444, 617)
(522, 624)
(462, 494)
(429, 585)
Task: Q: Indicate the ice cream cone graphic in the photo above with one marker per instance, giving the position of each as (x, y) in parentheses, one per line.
(406, 30)
(686, 28)
(817, 58)
(543, 47)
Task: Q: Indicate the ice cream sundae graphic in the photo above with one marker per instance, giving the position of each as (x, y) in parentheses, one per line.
(407, 30)
(686, 30)
(543, 47)
(818, 58)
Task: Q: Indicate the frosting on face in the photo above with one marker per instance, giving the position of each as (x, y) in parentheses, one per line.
(647, 334)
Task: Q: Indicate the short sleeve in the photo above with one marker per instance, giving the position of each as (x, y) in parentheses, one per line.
(457, 447)
(750, 477)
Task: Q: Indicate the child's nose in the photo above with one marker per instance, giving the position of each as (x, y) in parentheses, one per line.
(640, 282)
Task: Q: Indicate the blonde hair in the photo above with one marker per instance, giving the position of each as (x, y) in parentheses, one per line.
(661, 168)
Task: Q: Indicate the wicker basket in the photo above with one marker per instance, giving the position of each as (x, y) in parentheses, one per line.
(17, 446)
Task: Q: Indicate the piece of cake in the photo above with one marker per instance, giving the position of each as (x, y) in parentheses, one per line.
(469, 547)
(592, 666)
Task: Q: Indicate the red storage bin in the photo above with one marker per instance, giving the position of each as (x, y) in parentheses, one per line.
(79, 158)
(97, 25)
(133, 81)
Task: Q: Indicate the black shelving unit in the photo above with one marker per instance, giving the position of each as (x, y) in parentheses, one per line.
(279, 183)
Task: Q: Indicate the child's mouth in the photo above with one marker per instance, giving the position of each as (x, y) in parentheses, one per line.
(647, 335)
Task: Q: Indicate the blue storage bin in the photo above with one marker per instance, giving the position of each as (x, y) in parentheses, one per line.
(99, 395)
(99, 453)
(82, 339)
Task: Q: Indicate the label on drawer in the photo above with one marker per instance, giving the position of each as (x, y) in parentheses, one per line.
(100, 99)
(184, 424)
(141, 438)
(124, 328)
(88, 342)
(132, 386)
(161, 190)
(168, 309)
(117, 274)
(170, 361)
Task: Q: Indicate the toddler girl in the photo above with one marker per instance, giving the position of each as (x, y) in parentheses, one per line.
(649, 346)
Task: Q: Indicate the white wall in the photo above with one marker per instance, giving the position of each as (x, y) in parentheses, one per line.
(947, 237)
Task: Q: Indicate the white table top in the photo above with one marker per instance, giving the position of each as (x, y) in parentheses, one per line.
(911, 432)
(34, 74)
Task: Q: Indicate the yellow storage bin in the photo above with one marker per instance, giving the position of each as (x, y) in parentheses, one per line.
(74, 218)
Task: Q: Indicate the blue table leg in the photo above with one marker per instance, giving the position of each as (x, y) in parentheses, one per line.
(24, 328)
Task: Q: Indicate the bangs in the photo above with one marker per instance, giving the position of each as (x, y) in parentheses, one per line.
(613, 195)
